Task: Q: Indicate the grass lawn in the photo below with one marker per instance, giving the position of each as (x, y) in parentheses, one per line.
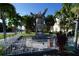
(8, 35)
(23, 34)
(28, 34)
(31, 34)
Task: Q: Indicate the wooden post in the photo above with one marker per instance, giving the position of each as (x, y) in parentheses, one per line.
(49, 43)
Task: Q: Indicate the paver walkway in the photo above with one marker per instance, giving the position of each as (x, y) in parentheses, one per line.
(9, 41)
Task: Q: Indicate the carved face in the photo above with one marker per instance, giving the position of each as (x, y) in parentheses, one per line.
(39, 20)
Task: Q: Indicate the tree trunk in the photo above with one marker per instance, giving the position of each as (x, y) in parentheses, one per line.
(4, 25)
(4, 28)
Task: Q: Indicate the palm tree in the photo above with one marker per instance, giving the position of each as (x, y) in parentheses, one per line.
(6, 10)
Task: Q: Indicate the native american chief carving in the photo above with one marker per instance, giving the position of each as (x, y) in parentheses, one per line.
(39, 20)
